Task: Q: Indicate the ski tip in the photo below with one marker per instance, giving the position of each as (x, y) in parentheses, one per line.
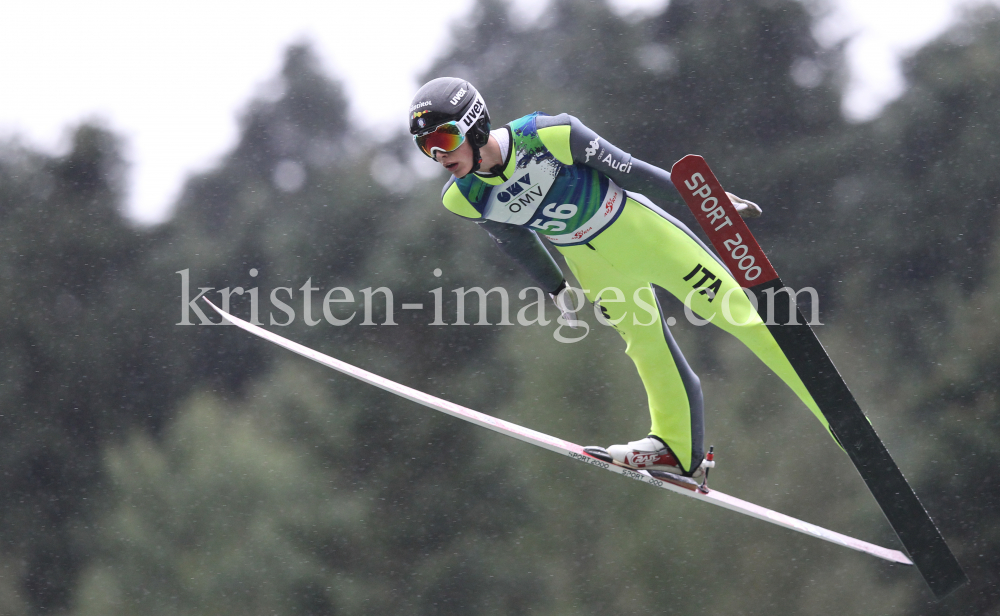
(225, 315)
(688, 158)
(214, 307)
(943, 575)
(947, 587)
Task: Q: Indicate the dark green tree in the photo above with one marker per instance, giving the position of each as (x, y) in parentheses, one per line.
(67, 337)
(930, 226)
(296, 202)
(219, 474)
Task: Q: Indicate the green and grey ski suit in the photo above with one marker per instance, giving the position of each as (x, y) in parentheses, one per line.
(591, 200)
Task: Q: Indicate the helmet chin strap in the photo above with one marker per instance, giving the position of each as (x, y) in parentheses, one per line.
(476, 159)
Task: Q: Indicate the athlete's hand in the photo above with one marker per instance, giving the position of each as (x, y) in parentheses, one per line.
(746, 209)
(565, 300)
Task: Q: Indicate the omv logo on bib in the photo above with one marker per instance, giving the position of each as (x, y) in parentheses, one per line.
(515, 189)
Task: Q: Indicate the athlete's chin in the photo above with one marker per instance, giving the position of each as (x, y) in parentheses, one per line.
(458, 170)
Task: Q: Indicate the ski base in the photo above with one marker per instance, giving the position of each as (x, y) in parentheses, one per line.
(657, 479)
(752, 270)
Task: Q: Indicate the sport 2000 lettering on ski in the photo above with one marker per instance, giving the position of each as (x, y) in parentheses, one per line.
(718, 218)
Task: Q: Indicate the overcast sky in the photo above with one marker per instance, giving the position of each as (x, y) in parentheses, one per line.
(171, 76)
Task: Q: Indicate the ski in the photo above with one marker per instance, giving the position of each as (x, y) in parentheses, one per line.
(749, 265)
(658, 479)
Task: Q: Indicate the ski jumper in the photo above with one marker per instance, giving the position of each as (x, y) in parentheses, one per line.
(562, 181)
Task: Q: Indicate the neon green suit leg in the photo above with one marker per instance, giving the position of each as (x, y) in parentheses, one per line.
(672, 390)
(641, 246)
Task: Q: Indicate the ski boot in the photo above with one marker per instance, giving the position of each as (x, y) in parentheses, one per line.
(649, 453)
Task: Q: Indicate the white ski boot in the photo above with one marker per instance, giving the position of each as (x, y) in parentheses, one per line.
(649, 453)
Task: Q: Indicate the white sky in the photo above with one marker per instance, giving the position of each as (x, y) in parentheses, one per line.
(172, 76)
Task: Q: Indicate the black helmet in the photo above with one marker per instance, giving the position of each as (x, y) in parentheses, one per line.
(450, 99)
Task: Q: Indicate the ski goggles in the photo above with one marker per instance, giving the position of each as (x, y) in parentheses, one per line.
(448, 136)
(445, 137)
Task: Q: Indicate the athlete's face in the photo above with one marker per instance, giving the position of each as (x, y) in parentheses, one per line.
(458, 162)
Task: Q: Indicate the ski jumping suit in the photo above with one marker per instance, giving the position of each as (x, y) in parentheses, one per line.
(586, 197)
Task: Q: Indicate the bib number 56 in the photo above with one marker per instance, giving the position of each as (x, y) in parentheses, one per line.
(552, 210)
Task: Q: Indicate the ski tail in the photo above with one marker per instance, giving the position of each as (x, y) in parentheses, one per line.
(751, 268)
(673, 483)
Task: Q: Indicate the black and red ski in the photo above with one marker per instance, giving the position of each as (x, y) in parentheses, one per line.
(751, 268)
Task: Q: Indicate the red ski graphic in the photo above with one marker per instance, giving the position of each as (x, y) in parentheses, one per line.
(724, 227)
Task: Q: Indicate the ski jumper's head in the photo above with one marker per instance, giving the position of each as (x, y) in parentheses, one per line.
(450, 123)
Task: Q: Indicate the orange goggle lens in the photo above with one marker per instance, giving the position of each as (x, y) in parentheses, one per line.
(446, 138)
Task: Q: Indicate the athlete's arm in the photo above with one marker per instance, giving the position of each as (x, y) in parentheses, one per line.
(523, 246)
(569, 138)
(632, 174)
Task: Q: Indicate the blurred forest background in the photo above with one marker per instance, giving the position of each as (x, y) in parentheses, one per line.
(150, 468)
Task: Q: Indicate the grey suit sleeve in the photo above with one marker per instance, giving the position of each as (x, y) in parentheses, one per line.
(524, 246)
(625, 170)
